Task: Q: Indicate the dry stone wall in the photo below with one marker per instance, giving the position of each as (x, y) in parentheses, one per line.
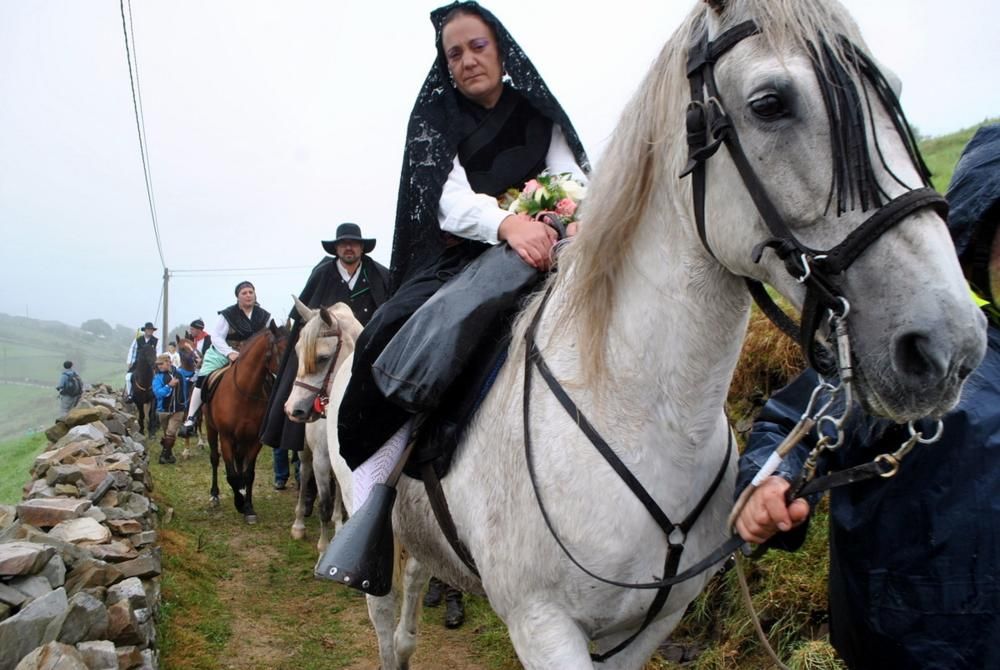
(79, 557)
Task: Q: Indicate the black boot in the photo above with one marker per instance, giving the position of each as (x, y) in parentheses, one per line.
(435, 593)
(167, 453)
(454, 613)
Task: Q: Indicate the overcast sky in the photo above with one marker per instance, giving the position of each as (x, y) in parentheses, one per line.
(268, 123)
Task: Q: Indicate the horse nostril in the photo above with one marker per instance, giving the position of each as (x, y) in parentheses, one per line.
(298, 413)
(916, 355)
(964, 371)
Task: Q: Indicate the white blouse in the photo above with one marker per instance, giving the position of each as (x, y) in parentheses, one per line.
(476, 216)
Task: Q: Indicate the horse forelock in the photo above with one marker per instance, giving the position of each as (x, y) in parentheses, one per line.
(307, 346)
(852, 88)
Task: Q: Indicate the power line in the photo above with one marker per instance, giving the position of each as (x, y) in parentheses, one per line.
(205, 271)
(140, 124)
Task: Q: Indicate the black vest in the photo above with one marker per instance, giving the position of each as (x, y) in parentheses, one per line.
(240, 327)
(361, 298)
(508, 146)
(141, 342)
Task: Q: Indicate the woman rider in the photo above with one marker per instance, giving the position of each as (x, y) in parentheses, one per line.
(236, 324)
(484, 122)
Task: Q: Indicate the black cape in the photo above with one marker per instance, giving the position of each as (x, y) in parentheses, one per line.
(440, 124)
(323, 288)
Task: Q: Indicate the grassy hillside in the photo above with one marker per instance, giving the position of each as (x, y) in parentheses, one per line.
(31, 357)
(941, 153)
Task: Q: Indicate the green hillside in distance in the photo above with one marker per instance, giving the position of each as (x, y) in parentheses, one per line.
(31, 357)
(941, 153)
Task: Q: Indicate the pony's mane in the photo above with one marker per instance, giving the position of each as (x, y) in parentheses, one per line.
(649, 148)
(251, 341)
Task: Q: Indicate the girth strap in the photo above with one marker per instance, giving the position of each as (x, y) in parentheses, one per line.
(439, 505)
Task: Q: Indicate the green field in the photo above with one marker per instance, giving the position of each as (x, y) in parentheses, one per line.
(31, 357)
(941, 153)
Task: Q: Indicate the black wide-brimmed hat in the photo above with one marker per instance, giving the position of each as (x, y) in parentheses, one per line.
(349, 231)
(149, 324)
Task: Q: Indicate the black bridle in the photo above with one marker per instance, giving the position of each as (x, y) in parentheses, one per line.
(321, 393)
(821, 271)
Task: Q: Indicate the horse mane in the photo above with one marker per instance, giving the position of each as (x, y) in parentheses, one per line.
(648, 148)
(251, 341)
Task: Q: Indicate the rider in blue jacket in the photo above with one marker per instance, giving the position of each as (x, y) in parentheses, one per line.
(914, 559)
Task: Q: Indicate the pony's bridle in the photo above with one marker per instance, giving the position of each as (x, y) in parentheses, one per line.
(709, 127)
(321, 397)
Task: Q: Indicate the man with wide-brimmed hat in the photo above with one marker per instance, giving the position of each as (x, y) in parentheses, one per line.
(347, 275)
(142, 339)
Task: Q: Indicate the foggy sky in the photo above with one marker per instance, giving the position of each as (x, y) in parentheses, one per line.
(268, 123)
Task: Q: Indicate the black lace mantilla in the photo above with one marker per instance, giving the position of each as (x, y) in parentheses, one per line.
(433, 135)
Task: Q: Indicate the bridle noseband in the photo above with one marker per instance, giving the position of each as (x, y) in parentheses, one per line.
(821, 271)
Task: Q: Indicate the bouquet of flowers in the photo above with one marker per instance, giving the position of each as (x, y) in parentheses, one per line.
(558, 194)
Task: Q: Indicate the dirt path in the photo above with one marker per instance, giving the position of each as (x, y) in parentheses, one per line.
(239, 596)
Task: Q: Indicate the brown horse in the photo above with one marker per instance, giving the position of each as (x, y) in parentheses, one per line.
(234, 414)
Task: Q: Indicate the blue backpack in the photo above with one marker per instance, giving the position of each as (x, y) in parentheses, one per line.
(73, 385)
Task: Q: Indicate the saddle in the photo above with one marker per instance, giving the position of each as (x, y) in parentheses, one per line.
(212, 382)
(447, 355)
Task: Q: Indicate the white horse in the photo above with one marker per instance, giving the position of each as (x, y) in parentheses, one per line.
(325, 351)
(643, 328)
(314, 466)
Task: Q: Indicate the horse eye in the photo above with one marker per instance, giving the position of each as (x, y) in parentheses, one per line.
(768, 107)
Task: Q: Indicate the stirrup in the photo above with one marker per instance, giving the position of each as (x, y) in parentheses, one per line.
(361, 554)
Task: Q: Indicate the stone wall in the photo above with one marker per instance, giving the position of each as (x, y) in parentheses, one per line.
(79, 561)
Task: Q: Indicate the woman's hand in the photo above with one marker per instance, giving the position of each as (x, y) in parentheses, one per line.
(233, 355)
(766, 512)
(531, 239)
(572, 228)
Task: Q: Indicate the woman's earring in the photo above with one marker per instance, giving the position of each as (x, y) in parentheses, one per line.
(506, 78)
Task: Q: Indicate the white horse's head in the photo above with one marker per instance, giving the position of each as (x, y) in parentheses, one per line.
(791, 87)
(326, 339)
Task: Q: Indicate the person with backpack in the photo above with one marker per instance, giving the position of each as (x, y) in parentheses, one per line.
(70, 388)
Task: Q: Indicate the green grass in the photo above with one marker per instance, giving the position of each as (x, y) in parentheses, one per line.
(942, 153)
(16, 457)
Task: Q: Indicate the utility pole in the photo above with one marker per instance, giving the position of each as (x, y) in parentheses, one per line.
(166, 321)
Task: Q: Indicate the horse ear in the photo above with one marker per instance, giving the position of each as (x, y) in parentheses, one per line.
(325, 315)
(303, 311)
(273, 327)
(718, 5)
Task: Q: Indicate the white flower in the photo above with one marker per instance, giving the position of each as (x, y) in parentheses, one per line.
(574, 190)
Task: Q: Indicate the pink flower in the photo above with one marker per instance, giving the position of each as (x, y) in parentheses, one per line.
(531, 186)
(565, 207)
